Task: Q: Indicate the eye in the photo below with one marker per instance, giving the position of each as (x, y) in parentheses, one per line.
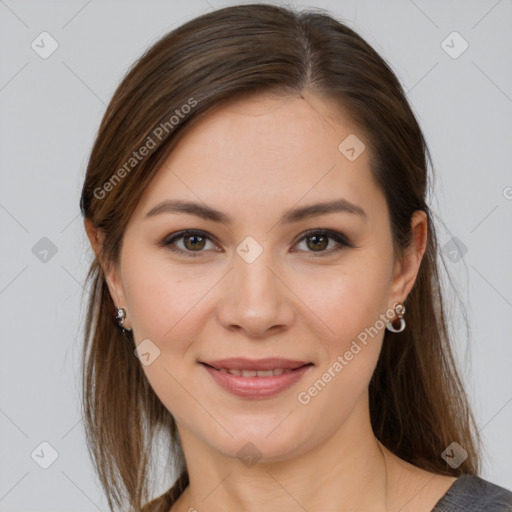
(195, 241)
(318, 241)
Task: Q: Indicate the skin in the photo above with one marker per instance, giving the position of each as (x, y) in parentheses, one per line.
(253, 159)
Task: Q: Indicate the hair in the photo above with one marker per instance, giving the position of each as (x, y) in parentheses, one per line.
(418, 405)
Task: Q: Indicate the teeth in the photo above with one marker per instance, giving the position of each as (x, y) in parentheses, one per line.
(256, 373)
(261, 373)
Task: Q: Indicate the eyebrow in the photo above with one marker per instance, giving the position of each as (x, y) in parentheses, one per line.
(289, 216)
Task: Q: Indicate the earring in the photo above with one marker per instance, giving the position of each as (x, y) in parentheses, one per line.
(400, 311)
(120, 316)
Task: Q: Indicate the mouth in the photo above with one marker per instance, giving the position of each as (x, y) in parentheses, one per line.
(256, 378)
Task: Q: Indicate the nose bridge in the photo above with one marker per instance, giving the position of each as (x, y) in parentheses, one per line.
(257, 298)
(252, 269)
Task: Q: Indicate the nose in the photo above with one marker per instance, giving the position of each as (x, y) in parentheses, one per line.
(256, 298)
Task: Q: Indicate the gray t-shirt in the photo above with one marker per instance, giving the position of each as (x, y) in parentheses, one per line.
(471, 493)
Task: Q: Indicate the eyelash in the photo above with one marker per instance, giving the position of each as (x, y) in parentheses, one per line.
(341, 239)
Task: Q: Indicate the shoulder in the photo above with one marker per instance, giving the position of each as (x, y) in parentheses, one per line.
(470, 493)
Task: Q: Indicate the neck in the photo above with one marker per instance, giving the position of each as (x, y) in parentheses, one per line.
(346, 471)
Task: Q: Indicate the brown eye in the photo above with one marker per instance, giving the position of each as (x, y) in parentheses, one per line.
(318, 242)
(194, 242)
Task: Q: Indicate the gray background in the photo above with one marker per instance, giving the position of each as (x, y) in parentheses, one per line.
(50, 111)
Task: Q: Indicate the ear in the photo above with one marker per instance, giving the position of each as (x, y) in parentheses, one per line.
(112, 275)
(406, 269)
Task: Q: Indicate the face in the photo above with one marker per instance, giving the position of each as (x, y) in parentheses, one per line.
(258, 281)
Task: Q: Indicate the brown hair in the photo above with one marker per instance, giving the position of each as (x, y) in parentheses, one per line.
(417, 402)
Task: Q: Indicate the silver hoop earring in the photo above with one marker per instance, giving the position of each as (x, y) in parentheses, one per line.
(400, 311)
(120, 316)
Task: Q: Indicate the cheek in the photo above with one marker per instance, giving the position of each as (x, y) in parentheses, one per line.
(351, 306)
(162, 297)
(336, 308)
(163, 303)
(346, 301)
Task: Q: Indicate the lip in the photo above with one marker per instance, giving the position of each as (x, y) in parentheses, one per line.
(256, 387)
(269, 363)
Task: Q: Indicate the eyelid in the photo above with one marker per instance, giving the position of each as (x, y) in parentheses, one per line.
(171, 239)
(341, 239)
(330, 233)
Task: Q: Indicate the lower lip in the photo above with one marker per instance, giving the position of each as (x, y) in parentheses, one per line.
(256, 387)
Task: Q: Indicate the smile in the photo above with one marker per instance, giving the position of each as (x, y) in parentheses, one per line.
(256, 379)
(255, 373)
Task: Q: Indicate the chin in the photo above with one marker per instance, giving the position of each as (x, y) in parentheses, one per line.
(261, 443)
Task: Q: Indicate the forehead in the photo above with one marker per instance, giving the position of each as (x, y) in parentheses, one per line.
(267, 152)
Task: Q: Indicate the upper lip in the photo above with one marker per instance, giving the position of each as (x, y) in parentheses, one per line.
(241, 363)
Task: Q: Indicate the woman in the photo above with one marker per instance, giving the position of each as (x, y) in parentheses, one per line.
(265, 291)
